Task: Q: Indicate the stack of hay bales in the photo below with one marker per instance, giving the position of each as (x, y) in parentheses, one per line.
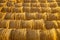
(29, 19)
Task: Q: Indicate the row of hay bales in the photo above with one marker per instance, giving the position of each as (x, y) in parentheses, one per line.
(28, 34)
(30, 24)
(29, 16)
(22, 9)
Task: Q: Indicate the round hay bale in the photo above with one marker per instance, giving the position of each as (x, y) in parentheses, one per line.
(5, 10)
(58, 34)
(4, 34)
(55, 24)
(31, 16)
(19, 1)
(39, 24)
(20, 16)
(48, 35)
(52, 5)
(50, 24)
(44, 35)
(9, 16)
(58, 15)
(51, 17)
(55, 10)
(58, 22)
(18, 4)
(12, 0)
(15, 24)
(1, 16)
(17, 9)
(32, 34)
(27, 24)
(53, 35)
(58, 9)
(3, 1)
(1, 31)
(42, 16)
(3, 23)
(42, 1)
(19, 34)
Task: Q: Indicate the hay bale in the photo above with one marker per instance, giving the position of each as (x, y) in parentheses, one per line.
(55, 23)
(17, 9)
(18, 4)
(48, 35)
(4, 34)
(55, 10)
(3, 24)
(10, 4)
(58, 15)
(42, 1)
(3, 1)
(15, 24)
(42, 16)
(19, 1)
(6, 9)
(31, 16)
(52, 5)
(27, 24)
(39, 24)
(19, 34)
(58, 22)
(2, 16)
(20, 16)
(58, 34)
(53, 35)
(44, 35)
(9, 16)
(33, 35)
(50, 24)
(52, 17)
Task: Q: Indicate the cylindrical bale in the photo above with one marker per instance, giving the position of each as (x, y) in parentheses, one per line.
(58, 34)
(31, 16)
(55, 23)
(55, 10)
(39, 24)
(19, 1)
(4, 34)
(3, 1)
(58, 22)
(9, 16)
(42, 16)
(1, 15)
(10, 4)
(51, 24)
(53, 35)
(20, 16)
(58, 15)
(15, 24)
(52, 17)
(19, 34)
(52, 5)
(48, 35)
(5, 10)
(17, 9)
(27, 24)
(3, 24)
(33, 34)
(44, 35)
